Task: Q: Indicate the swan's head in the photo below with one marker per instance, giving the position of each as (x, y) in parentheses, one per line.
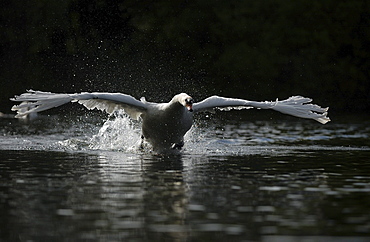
(185, 100)
(189, 103)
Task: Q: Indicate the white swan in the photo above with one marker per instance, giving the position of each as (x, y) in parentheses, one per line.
(163, 124)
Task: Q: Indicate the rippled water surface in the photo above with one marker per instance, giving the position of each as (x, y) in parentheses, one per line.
(70, 178)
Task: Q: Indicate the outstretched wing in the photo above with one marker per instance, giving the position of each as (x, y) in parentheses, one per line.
(37, 101)
(296, 106)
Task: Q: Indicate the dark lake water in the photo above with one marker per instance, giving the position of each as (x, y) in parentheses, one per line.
(79, 178)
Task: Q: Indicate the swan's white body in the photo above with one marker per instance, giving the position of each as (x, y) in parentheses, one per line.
(163, 124)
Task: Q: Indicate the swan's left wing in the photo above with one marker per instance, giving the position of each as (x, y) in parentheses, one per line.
(37, 101)
(296, 106)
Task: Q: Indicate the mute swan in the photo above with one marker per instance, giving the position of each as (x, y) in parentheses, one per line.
(163, 124)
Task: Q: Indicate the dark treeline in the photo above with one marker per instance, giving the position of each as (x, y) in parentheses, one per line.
(248, 49)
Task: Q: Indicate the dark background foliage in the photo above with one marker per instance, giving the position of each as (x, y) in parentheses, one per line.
(257, 50)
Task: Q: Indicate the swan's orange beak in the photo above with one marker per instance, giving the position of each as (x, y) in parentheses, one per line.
(189, 104)
(189, 107)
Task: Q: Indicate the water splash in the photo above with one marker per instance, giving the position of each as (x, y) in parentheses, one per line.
(215, 137)
(119, 132)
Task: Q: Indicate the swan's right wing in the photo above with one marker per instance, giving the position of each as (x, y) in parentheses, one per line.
(296, 106)
(37, 101)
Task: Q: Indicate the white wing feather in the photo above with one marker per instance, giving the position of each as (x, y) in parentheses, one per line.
(37, 101)
(296, 106)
